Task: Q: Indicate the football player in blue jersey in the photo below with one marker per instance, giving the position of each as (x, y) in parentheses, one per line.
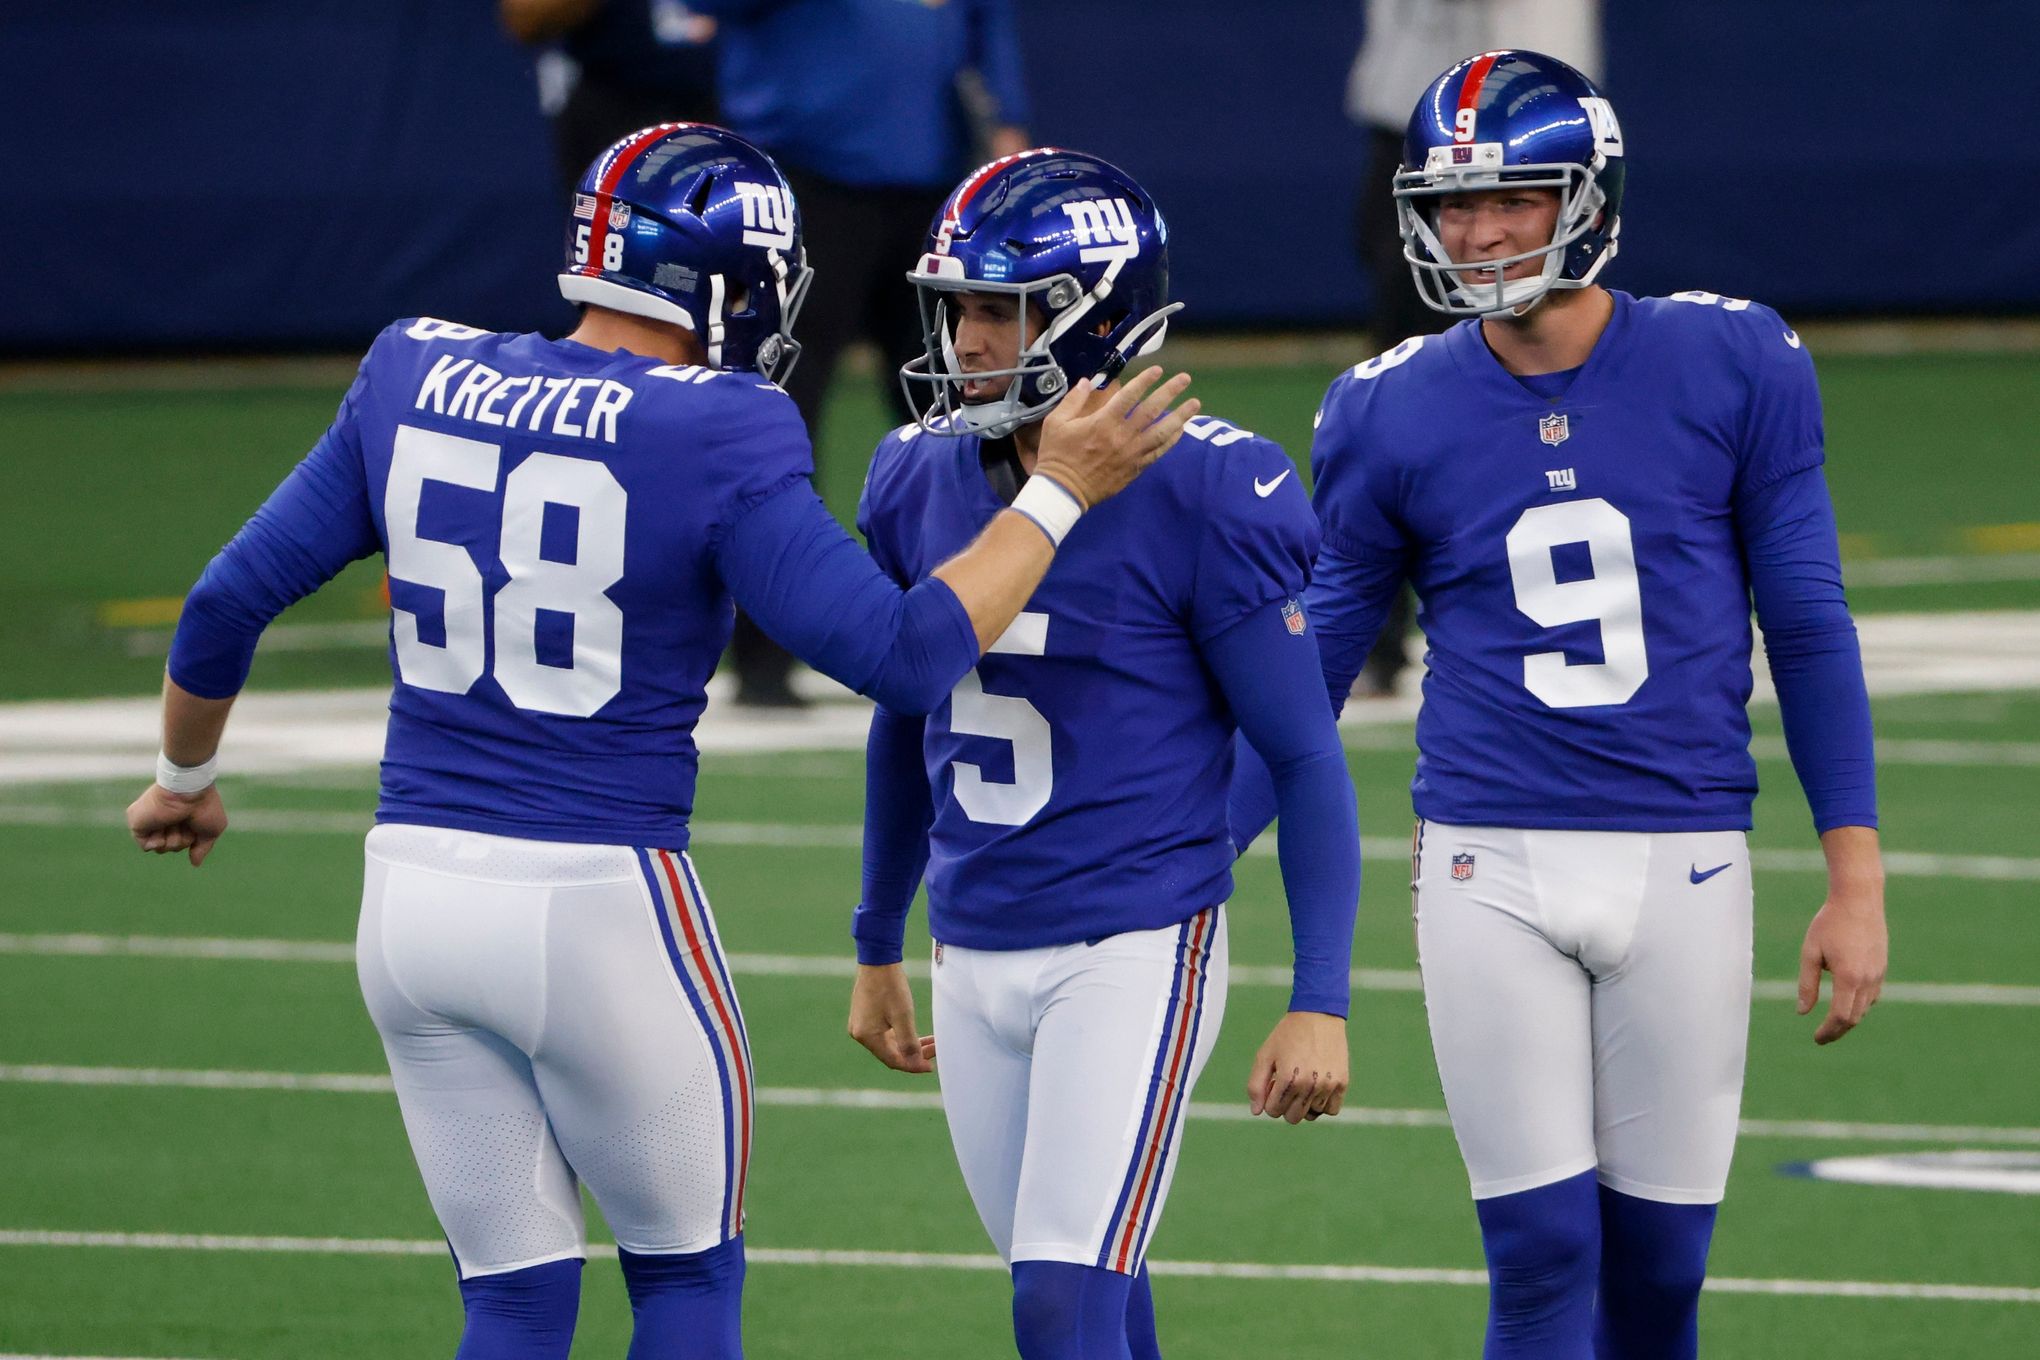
(565, 524)
(1067, 804)
(1588, 491)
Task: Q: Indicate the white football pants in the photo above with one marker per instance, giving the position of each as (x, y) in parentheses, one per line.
(554, 1012)
(1589, 999)
(1065, 1072)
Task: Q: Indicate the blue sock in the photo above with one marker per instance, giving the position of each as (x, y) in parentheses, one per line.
(1653, 1260)
(1063, 1311)
(686, 1307)
(1543, 1252)
(1140, 1319)
(521, 1314)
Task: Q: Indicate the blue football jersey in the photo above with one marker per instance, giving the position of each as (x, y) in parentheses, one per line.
(1577, 558)
(550, 514)
(1079, 775)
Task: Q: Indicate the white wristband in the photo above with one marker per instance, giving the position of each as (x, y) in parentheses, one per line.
(1053, 509)
(185, 778)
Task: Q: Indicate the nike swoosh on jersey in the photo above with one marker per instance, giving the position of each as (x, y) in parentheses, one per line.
(1266, 489)
(1697, 875)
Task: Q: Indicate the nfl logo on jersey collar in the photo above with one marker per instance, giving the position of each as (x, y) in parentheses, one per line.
(1552, 429)
(1462, 868)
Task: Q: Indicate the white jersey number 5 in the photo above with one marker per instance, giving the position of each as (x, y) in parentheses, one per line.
(974, 713)
(1609, 596)
(575, 589)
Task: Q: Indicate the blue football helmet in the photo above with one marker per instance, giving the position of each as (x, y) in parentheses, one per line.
(1519, 119)
(692, 225)
(1085, 252)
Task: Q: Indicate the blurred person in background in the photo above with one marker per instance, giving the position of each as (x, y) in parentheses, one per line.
(874, 108)
(1404, 44)
(608, 67)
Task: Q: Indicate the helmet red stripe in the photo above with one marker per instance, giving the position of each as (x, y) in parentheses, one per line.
(1476, 76)
(605, 189)
(969, 188)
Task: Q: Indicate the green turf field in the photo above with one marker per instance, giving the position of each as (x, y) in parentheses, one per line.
(184, 1181)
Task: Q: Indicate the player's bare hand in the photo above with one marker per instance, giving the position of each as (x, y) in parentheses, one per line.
(1096, 441)
(165, 823)
(1848, 939)
(882, 1019)
(1300, 1072)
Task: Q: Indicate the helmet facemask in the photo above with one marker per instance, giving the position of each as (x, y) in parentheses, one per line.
(1418, 194)
(1039, 377)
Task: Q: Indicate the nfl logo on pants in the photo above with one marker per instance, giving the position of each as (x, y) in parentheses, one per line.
(1462, 868)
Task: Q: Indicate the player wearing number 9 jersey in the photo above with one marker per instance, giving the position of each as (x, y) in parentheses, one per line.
(1588, 490)
(566, 523)
(1067, 802)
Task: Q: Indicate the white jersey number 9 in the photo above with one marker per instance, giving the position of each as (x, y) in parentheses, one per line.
(572, 588)
(974, 713)
(1608, 596)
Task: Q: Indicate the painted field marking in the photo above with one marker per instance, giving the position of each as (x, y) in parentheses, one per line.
(842, 966)
(2004, 1173)
(923, 1260)
(849, 836)
(858, 1098)
(286, 732)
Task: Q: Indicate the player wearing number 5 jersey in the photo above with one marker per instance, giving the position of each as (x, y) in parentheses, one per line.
(1588, 491)
(566, 523)
(1067, 803)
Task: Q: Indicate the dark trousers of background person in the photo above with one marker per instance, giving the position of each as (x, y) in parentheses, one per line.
(1398, 314)
(861, 242)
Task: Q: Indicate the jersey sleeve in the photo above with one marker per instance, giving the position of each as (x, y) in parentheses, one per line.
(311, 527)
(1257, 540)
(874, 503)
(1782, 430)
(758, 446)
(1365, 556)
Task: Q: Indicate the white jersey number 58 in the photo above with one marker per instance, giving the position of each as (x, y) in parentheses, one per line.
(1609, 596)
(576, 589)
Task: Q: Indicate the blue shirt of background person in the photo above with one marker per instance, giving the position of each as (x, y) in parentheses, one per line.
(866, 92)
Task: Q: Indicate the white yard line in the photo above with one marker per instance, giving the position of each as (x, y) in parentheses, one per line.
(842, 966)
(922, 1260)
(849, 836)
(855, 1098)
(287, 732)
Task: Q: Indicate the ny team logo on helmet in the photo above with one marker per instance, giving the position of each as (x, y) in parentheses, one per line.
(689, 224)
(1510, 119)
(1085, 254)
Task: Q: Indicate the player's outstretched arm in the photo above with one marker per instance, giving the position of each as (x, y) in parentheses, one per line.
(182, 810)
(1847, 937)
(1093, 445)
(814, 591)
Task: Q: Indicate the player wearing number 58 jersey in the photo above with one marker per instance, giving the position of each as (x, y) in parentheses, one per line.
(1589, 491)
(566, 523)
(1067, 803)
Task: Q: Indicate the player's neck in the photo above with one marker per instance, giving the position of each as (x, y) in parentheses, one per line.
(1027, 445)
(1555, 335)
(610, 331)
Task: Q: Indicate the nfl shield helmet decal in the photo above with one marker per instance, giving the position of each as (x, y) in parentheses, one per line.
(1462, 868)
(1552, 428)
(619, 216)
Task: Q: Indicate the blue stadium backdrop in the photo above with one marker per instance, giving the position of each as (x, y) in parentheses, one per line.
(241, 173)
